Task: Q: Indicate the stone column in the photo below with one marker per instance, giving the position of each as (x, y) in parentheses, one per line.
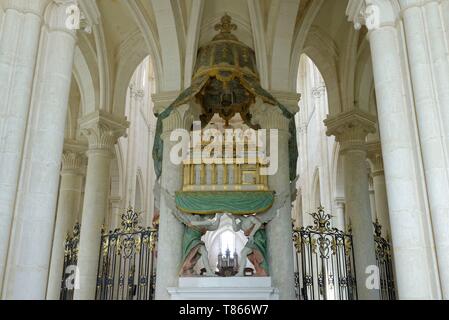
(438, 42)
(68, 207)
(416, 275)
(279, 230)
(102, 132)
(171, 231)
(35, 207)
(372, 197)
(380, 188)
(19, 42)
(339, 216)
(351, 129)
(320, 96)
(430, 123)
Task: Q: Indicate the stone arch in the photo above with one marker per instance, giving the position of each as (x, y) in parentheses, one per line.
(324, 53)
(83, 76)
(134, 53)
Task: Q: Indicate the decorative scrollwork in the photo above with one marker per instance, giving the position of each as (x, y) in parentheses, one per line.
(130, 221)
(321, 221)
(324, 259)
(127, 262)
(71, 250)
(384, 260)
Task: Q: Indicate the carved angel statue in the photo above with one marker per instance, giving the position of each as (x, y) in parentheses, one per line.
(193, 248)
(256, 248)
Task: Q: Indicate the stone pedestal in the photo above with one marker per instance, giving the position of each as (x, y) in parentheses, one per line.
(238, 288)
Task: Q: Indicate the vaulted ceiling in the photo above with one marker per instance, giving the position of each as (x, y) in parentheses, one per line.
(171, 31)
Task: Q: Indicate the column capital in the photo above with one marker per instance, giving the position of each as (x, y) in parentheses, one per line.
(374, 150)
(269, 116)
(102, 130)
(72, 162)
(162, 100)
(288, 99)
(36, 7)
(373, 14)
(340, 202)
(407, 4)
(318, 91)
(351, 128)
(73, 157)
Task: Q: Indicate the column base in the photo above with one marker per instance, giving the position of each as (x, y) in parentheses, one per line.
(236, 288)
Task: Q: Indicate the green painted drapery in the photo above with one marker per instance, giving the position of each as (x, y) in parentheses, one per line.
(235, 202)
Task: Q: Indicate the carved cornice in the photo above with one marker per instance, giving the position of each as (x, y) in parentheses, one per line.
(102, 130)
(351, 128)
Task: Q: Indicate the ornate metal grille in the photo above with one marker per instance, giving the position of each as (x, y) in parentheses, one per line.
(70, 259)
(385, 264)
(325, 267)
(126, 269)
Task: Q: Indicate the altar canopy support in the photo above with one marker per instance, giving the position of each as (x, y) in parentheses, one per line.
(279, 230)
(171, 231)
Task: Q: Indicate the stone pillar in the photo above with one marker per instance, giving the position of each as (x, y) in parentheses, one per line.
(68, 207)
(380, 188)
(19, 42)
(372, 197)
(102, 132)
(31, 240)
(171, 231)
(339, 216)
(428, 108)
(416, 275)
(437, 40)
(351, 129)
(279, 230)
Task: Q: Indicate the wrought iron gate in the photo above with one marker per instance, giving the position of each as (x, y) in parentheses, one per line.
(324, 261)
(126, 270)
(385, 264)
(70, 259)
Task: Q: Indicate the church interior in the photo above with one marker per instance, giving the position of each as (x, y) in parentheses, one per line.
(224, 150)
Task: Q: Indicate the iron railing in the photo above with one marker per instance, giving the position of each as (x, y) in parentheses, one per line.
(324, 261)
(127, 264)
(70, 260)
(384, 261)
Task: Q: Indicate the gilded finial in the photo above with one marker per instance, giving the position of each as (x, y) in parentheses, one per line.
(226, 25)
